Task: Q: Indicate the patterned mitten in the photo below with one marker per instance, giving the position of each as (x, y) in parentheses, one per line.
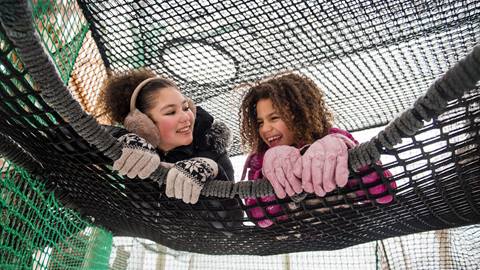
(187, 178)
(138, 158)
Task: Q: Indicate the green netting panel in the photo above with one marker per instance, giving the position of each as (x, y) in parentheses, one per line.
(62, 29)
(87, 75)
(39, 233)
(66, 36)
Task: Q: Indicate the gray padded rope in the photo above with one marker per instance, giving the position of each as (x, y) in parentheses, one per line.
(16, 17)
(15, 153)
(463, 76)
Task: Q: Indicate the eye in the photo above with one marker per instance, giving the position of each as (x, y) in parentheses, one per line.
(170, 113)
(260, 123)
(186, 107)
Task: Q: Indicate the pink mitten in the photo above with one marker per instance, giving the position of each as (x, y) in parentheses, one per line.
(278, 165)
(350, 144)
(324, 166)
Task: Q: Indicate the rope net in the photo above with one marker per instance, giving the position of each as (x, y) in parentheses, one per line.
(39, 232)
(373, 60)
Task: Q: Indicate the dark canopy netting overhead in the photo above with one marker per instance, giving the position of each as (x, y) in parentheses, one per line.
(374, 60)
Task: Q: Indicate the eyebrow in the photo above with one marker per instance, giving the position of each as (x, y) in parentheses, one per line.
(172, 105)
(268, 115)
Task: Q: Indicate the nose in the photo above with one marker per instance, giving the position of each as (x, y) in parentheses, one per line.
(266, 127)
(184, 116)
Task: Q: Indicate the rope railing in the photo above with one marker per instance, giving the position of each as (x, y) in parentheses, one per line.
(16, 17)
(15, 153)
(463, 76)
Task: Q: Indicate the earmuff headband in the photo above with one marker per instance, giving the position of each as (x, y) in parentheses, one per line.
(133, 99)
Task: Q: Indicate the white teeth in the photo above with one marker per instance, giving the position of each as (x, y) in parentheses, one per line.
(185, 129)
(273, 138)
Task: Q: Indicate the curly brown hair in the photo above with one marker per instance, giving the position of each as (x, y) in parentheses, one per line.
(298, 100)
(117, 90)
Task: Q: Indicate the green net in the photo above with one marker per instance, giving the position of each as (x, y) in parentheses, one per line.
(62, 29)
(67, 38)
(37, 231)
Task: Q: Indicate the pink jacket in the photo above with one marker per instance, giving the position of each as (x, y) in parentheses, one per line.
(370, 178)
(254, 164)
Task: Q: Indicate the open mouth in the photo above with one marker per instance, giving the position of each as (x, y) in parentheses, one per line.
(184, 130)
(274, 140)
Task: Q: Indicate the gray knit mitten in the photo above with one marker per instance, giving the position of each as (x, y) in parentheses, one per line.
(187, 178)
(138, 158)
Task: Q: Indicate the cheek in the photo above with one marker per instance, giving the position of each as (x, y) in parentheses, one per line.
(262, 136)
(166, 128)
(291, 139)
(288, 135)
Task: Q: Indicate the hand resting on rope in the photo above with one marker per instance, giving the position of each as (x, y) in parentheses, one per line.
(278, 166)
(186, 179)
(370, 178)
(138, 158)
(324, 166)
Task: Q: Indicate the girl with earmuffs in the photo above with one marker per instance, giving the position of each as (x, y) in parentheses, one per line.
(165, 128)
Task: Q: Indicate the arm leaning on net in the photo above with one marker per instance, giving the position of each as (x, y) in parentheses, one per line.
(278, 165)
(138, 159)
(371, 178)
(324, 166)
(186, 178)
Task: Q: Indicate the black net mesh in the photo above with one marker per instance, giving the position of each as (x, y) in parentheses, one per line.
(373, 59)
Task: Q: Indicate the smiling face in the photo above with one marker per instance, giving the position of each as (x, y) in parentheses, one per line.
(173, 118)
(271, 127)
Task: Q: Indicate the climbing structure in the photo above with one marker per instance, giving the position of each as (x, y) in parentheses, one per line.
(375, 61)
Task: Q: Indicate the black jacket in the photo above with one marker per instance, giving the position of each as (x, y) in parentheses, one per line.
(211, 139)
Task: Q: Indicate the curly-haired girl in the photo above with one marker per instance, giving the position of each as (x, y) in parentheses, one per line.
(281, 117)
(164, 125)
